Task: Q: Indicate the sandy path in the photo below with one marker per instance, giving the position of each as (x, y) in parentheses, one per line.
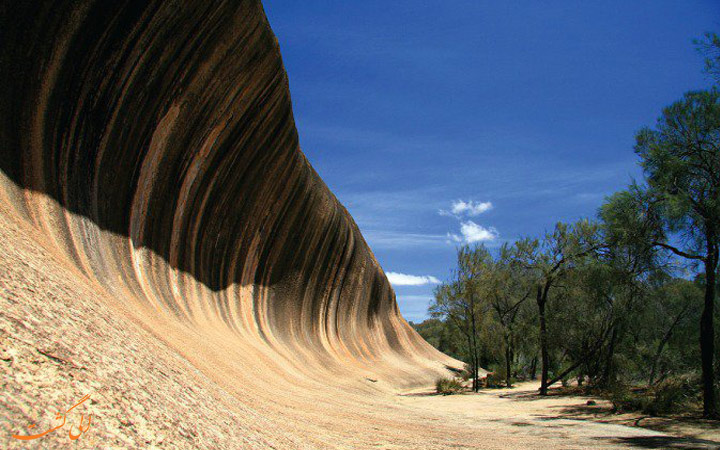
(553, 422)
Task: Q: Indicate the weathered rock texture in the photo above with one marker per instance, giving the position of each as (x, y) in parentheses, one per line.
(153, 192)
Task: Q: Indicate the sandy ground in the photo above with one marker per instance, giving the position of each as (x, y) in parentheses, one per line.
(559, 420)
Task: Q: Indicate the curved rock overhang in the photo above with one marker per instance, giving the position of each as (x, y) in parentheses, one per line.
(152, 143)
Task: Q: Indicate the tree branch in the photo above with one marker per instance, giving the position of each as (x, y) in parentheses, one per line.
(678, 252)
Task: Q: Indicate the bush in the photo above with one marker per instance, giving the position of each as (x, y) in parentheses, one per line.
(495, 380)
(670, 396)
(673, 395)
(626, 400)
(447, 386)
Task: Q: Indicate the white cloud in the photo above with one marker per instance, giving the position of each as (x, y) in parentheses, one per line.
(401, 279)
(470, 208)
(472, 232)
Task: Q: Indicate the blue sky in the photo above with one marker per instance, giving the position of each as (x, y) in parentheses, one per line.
(438, 122)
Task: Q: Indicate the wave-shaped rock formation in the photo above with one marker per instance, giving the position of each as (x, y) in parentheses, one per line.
(156, 207)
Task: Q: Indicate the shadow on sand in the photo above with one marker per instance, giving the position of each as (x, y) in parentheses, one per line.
(663, 442)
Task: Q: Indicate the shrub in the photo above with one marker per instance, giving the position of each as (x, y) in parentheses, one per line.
(495, 379)
(626, 400)
(670, 396)
(447, 386)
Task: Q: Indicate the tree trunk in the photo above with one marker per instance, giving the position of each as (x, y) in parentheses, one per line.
(707, 334)
(663, 343)
(512, 358)
(508, 357)
(608, 369)
(544, 357)
(656, 359)
(533, 367)
(476, 362)
(473, 367)
(578, 363)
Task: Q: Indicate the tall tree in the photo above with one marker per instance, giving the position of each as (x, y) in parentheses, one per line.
(459, 302)
(506, 289)
(680, 209)
(548, 262)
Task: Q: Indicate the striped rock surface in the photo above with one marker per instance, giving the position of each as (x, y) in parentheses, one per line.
(166, 246)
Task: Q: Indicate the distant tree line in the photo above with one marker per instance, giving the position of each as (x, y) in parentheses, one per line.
(625, 298)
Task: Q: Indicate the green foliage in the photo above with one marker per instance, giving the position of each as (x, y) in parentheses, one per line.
(709, 46)
(441, 335)
(673, 395)
(681, 161)
(630, 224)
(613, 316)
(448, 386)
(626, 400)
(497, 377)
(460, 304)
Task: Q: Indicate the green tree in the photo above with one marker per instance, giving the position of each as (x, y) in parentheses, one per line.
(675, 303)
(506, 288)
(441, 335)
(548, 262)
(459, 303)
(679, 210)
(589, 312)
